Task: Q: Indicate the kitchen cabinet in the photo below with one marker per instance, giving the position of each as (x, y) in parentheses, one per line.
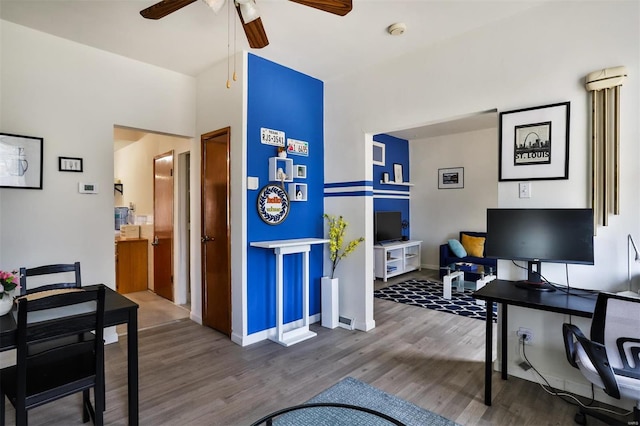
(132, 272)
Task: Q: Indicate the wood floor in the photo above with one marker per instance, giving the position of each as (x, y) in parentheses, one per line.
(192, 375)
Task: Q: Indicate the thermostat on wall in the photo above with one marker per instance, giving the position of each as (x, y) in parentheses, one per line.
(87, 188)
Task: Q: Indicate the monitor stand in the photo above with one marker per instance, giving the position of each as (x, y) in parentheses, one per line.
(534, 280)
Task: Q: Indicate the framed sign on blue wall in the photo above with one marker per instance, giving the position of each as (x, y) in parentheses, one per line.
(273, 204)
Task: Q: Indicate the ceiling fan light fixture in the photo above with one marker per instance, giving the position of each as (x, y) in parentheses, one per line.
(249, 10)
(216, 5)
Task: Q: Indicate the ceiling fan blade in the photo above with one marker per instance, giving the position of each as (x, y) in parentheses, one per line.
(163, 8)
(337, 7)
(254, 30)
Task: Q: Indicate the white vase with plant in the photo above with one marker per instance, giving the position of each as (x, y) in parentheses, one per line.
(8, 284)
(329, 285)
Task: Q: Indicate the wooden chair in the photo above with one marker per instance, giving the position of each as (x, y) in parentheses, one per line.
(47, 270)
(40, 378)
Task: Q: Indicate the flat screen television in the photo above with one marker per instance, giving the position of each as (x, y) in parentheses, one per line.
(540, 235)
(387, 227)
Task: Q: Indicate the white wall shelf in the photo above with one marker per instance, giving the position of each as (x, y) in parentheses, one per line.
(294, 188)
(299, 171)
(397, 183)
(396, 258)
(285, 164)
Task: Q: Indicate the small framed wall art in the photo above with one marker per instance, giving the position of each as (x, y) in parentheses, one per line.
(20, 161)
(397, 173)
(452, 178)
(70, 164)
(534, 143)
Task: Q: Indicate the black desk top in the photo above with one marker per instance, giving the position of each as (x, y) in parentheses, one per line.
(579, 302)
(116, 311)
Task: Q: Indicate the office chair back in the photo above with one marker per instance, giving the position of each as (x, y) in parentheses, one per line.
(610, 359)
(616, 325)
(59, 269)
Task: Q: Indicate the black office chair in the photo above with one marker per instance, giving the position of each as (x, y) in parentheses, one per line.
(40, 378)
(48, 270)
(611, 358)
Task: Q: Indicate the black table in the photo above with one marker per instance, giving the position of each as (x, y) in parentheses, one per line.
(578, 302)
(117, 310)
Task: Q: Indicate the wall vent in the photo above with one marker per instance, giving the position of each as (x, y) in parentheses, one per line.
(345, 322)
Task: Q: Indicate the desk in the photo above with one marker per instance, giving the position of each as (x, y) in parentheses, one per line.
(117, 310)
(579, 303)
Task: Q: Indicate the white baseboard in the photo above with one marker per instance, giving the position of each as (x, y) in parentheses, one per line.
(266, 334)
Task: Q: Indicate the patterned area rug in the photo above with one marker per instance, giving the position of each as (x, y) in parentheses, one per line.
(428, 294)
(354, 392)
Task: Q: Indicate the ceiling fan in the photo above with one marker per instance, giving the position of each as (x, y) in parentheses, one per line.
(247, 12)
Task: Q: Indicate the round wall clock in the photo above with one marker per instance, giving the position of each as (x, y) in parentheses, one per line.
(273, 204)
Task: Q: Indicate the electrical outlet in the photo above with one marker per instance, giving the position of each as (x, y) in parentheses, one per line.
(525, 189)
(525, 334)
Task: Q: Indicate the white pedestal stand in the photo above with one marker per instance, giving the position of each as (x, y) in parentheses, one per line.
(280, 248)
(330, 302)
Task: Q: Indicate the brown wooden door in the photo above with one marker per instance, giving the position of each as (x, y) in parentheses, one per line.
(216, 259)
(163, 225)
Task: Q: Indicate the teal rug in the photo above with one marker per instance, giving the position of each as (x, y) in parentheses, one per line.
(354, 392)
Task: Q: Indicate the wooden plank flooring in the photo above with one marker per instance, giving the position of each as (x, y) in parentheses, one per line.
(192, 375)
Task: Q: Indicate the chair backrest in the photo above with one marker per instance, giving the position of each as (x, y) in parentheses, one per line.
(59, 315)
(44, 318)
(616, 325)
(65, 268)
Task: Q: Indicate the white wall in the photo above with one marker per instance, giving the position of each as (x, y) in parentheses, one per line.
(537, 58)
(72, 96)
(440, 214)
(219, 107)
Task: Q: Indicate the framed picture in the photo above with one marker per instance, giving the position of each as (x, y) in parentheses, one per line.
(452, 178)
(378, 153)
(397, 173)
(20, 161)
(534, 143)
(69, 164)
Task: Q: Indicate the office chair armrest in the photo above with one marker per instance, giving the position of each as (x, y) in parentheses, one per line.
(597, 354)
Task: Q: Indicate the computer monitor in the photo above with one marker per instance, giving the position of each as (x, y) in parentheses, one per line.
(540, 235)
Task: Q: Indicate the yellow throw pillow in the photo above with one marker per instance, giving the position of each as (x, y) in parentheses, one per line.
(473, 245)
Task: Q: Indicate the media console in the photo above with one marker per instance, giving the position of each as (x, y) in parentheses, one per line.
(395, 258)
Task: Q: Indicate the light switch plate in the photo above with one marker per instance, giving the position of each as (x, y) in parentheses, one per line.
(525, 189)
(252, 182)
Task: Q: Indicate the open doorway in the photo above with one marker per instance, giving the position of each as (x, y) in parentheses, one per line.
(469, 142)
(134, 151)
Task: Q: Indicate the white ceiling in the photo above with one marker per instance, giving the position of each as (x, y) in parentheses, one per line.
(311, 41)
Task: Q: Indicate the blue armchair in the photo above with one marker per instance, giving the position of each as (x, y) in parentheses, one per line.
(447, 257)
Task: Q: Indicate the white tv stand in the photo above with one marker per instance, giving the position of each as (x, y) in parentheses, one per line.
(395, 258)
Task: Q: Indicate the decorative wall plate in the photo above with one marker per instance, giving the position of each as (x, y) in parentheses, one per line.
(273, 204)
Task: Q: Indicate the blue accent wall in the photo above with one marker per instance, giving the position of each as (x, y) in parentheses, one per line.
(280, 98)
(392, 197)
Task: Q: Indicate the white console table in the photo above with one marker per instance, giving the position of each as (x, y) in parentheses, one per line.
(280, 248)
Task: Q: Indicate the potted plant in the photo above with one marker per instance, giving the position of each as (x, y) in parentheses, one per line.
(337, 252)
(8, 283)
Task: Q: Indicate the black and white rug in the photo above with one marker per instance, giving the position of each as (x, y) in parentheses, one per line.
(428, 294)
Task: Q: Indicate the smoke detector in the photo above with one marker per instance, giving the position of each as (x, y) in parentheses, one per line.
(396, 29)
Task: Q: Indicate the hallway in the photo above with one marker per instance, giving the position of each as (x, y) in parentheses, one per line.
(154, 311)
